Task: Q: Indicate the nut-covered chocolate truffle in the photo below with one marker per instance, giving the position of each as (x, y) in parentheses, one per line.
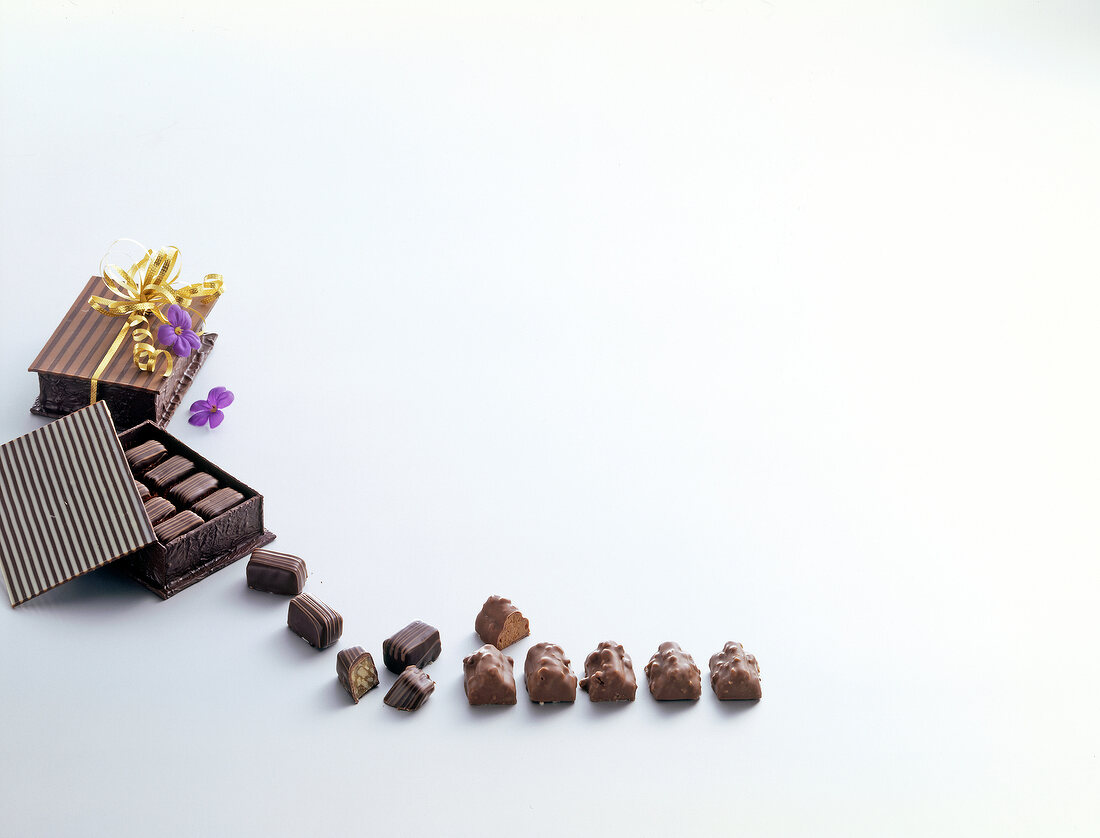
(609, 674)
(734, 674)
(487, 677)
(547, 674)
(673, 675)
(500, 623)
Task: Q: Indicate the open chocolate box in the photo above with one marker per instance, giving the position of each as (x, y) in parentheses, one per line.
(69, 504)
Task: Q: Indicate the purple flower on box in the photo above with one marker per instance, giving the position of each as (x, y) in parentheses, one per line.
(177, 333)
(210, 408)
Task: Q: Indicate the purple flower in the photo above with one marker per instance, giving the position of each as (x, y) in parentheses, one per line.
(210, 408)
(177, 333)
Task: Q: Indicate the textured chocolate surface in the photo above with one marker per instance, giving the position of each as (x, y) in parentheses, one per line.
(221, 501)
(500, 623)
(487, 677)
(175, 468)
(410, 690)
(143, 491)
(609, 674)
(276, 573)
(356, 671)
(192, 489)
(144, 456)
(172, 528)
(159, 509)
(734, 674)
(76, 348)
(547, 674)
(418, 644)
(672, 674)
(314, 621)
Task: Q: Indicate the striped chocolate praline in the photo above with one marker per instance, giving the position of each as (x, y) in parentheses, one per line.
(410, 690)
(276, 573)
(314, 622)
(193, 489)
(221, 501)
(142, 456)
(158, 509)
(142, 490)
(173, 469)
(176, 526)
(356, 672)
(417, 644)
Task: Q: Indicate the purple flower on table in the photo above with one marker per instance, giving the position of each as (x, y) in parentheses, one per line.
(177, 333)
(210, 408)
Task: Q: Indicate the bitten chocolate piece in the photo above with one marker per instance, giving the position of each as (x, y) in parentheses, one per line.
(140, 457)
(176, 526)
(355, 669)
(143, 491)
(275, 573)
(734, 674)
(500, 623)
(158, 509)
(487, 677)
(547, 674)
(168, 472)
(417, 644)
(189, 491)
(410, 690)
(314, 622)
(221, 501)
(609, 674)
(673, 675)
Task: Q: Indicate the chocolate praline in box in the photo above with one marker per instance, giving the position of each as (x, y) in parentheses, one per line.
(70, 358)
(69, 505)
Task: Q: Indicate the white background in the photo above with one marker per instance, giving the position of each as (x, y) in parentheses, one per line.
(691, 320)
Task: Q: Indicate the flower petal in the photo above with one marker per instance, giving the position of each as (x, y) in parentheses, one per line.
(192, 339)
(212, 396)
(224, 398)
(201, 404)
(172, 315)
(182, 348)
(199, 419)
(166, 335)
(216, 418)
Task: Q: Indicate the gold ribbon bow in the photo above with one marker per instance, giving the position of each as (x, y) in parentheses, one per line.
(144, 289)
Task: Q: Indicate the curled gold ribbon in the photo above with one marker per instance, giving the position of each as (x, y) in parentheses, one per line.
(143, 290)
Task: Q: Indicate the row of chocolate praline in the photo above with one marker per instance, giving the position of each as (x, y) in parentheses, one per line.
(177, 498)
(608, 671)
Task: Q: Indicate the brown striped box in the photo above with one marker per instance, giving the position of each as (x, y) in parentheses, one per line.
(78, 346)
(69, 505)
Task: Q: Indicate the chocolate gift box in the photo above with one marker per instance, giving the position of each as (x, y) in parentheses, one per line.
(69, 504)
(105, 348)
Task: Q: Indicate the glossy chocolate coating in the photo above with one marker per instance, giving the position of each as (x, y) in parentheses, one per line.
(164, 475)
(547, 674)
(192, 489)
(177, 525)
(356, 671)
(141, 457)
(410, 690)
(487, 677)
(500, 623)
(673, 675)
(314, 622)
(418, 644)
(734, 674)
(221, 501)
(143, 491)
(609, 674)
(275, 573)
(159, 509)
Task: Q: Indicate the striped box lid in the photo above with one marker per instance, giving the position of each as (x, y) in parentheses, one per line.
(68, 503)
(83, 338)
